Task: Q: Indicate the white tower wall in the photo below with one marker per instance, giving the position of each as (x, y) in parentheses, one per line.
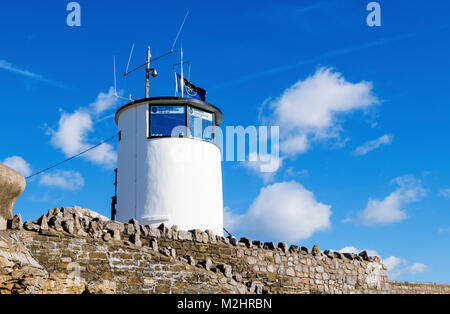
(176, 181)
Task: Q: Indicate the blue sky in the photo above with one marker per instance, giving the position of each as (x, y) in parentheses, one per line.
(374, 173)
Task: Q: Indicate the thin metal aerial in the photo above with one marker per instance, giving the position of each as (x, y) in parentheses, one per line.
(115, 80)
(179, 31)
(189, 67)
(129, 58)
(115, 83)
(175, 73)
(165, 54)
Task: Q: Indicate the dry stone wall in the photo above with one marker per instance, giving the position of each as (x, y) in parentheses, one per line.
(21, 273)
(127, 268)
(418, 288)
(95, 255)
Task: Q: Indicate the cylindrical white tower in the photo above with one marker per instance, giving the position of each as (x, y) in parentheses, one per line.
(169, 167)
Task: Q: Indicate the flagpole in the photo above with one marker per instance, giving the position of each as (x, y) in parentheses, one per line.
(182, 77)
(176, 83)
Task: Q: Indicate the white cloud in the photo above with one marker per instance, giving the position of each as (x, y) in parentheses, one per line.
(393, 262)
(372, 145)
(71, 134)
(391, 208)
(103, 154)
(291, 172)
(73, 129)
(5, 65)
(283, 211)
(445, 193)
(264, 165)
(18, 164)
(396, 266)
(310, 109)
(104, 101)
(261, 162)
(231, 220)
(399, 266)
(295, 144)
(417, 268)
(66, 180)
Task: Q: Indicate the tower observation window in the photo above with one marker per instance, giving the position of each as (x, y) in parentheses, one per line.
(200, 124)
(181, 121)
(164, 119)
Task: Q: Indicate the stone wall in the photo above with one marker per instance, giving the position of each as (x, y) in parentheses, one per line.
(128, 268)
(21, 273)
(151, 260)
(77, 250)
(184, 266)
(418, 288)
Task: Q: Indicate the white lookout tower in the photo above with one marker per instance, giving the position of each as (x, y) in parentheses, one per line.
(169, 166)
(165, 179)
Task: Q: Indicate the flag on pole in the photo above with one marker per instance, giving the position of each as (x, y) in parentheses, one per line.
(189, 89)
(182, 76)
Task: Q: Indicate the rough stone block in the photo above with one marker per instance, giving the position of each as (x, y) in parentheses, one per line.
(258, 244)
(283, 246)
(15, 223)
(211, 236)
(153, 232)
(316, 251)
(233, 240)
(153, 244)
(294, 249)
(364, 255)
(31, 226)
(247, 242)
(305, 250)
(269, 246)
(225, 269)
(184, 235)
(12, 185)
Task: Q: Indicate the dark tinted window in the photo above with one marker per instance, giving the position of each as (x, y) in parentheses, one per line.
(163, 119)
(200, 124)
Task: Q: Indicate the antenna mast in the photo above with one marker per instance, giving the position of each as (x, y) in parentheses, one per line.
(147, 79)
(147, 64)
(115, 83)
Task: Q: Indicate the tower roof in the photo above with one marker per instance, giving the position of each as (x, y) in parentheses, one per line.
(176, 101)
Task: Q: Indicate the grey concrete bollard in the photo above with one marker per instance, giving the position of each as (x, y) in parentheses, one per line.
(12, 185)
